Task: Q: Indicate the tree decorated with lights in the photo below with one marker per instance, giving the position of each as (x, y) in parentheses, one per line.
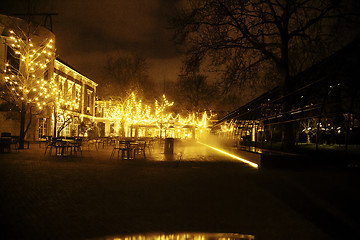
(114, 112)
(132, 112)
(27, 73)
(197, 120)
(128, 112)
(162, 115)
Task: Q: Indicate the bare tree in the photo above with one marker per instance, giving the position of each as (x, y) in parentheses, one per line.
(125, 73)
(244, 36)
(195, 94)
(308, 126)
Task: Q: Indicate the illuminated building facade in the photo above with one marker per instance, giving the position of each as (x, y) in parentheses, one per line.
(57, 97)
(63, 103)
(77, 99)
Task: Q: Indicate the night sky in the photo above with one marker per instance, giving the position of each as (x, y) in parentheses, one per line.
(88, 31)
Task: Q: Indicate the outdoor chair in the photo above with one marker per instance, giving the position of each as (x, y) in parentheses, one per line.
(61, 148)
(150, 145)
(123, 147)
(92, 142)
(140, 148)
(43, 139)
(5, 142)
(15, 141)
(76, 146)
(50, 143)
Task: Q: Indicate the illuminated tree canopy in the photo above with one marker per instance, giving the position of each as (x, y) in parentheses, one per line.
(27, 75)
(133, 112)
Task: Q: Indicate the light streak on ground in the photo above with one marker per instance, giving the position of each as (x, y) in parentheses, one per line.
(231, 155)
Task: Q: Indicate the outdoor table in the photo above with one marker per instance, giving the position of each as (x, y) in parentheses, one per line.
(130, 145)
(76, 145)
(126, 147)
(63, 146)
(139, 147)
(5, 143)
(95, 142)
(44, 139)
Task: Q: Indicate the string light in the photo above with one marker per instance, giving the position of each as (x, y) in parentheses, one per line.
(27, 83)
(132, 112)
(25, 77)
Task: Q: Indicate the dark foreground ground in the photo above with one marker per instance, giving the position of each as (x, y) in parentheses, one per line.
(195, 190)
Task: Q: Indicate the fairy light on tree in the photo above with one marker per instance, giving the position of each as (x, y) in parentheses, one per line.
(161, 114)
(27, 73)
(195, 120)
(132, 113)
(120, 112)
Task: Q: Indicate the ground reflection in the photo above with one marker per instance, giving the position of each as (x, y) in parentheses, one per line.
(185, 236)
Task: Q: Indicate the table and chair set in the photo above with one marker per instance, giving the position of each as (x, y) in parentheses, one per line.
(124, 148)
(131, 148)
(7, 141)
(64, 146)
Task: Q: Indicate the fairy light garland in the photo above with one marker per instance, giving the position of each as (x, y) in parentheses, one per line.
(26, 80)
(134, 112)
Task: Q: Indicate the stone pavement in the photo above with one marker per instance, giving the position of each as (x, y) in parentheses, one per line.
(193, 190)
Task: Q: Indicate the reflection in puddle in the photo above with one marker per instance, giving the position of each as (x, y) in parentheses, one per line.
(185, 236)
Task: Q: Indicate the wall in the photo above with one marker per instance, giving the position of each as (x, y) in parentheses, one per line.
(9, 125)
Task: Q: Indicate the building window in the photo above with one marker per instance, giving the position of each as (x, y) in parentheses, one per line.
(42, 127)
(70, 86)
(59, 123)
(62, 84)
(12, 59)
(65, 132)
(89, 101)
(77, 96)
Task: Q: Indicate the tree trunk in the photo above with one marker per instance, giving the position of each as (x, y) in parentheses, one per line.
(22, 125)
(122, 129)
(308, 138)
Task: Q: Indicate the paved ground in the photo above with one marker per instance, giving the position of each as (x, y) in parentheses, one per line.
(194, 190)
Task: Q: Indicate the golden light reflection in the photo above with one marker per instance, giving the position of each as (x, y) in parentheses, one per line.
(187, 236)
(231, 155)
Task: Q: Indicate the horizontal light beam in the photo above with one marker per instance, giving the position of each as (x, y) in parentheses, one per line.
(231, 155)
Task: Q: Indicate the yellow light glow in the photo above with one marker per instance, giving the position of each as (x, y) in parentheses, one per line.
(132, 112)
(231, 155)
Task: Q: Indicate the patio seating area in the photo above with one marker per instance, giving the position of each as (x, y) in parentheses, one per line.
(112, 147)
(116, 150)
(10, 142)
(63, 146)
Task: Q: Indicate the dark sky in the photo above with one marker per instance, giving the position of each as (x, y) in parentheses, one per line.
(88, 31)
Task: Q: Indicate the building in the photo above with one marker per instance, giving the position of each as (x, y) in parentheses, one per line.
(77, 101)
(56, 100)
(325, 106)
(60, 98)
